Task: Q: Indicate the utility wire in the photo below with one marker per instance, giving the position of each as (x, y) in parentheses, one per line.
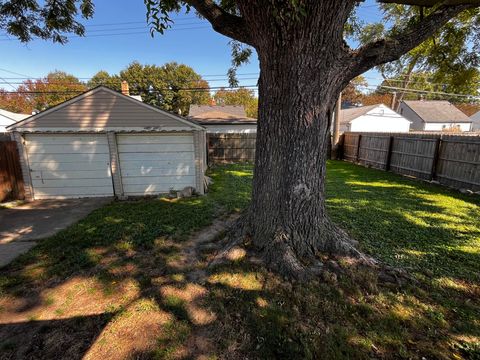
(428, 92)
(145, 27)
(63, 83)
(14, 73)
(8, 83)
(147, 91)
(89, 78)
(117, 34)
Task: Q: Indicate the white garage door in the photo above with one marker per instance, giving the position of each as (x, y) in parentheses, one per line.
(156, 164)
(69, 166)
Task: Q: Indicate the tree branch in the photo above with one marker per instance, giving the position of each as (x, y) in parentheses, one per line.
(223, 22)
(390, 49)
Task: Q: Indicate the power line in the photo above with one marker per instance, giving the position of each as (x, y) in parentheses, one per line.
(409, 81)
(8, 83)
(140, 22)
(89, 78)
(14, 73)
(145, 27)
(117, 34)
(427, 92)
(147, 91)
(63, 83)
(145, 23)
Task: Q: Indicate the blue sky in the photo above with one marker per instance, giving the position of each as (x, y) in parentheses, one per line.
(190, 41)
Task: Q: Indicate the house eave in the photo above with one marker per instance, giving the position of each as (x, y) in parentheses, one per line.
(228, 123)
(158, 129)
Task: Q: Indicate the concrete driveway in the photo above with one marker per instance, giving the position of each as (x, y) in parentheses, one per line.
(21, 227)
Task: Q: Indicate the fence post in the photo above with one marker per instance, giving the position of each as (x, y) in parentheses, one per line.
(340, 148)
(436, 156)
(389, 153)
(11, 180)
(358, 147)
(207, 145)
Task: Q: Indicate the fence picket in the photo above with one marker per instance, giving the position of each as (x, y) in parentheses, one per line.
(11, 180)
(453, 160)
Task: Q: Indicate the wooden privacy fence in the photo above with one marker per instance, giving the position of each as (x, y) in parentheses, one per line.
(452, 160)
(11, 181)
(231, 148)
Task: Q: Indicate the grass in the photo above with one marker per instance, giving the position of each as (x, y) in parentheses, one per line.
(112, 277)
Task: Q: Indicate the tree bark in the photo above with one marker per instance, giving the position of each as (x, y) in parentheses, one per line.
(301, 76)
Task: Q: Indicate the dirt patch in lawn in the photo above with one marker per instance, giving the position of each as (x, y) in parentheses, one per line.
(132, 304)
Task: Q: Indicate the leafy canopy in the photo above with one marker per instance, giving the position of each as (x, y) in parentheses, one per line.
(242, 96)
(172, 86)
(38, 95)
(449, 61)
(162, 86)
(26, 19)
(165, 86)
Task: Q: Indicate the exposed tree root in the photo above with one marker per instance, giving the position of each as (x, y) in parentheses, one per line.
(281, 258)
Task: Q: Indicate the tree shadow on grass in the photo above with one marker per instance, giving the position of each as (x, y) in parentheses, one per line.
(407, 223)
(51, 339)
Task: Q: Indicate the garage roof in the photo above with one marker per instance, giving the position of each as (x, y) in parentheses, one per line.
(437, 111)
(102, 109)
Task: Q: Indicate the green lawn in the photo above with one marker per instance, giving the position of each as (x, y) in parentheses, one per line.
(110, 286)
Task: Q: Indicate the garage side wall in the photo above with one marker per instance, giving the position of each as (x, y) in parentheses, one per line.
(199, 140)
(22, 153)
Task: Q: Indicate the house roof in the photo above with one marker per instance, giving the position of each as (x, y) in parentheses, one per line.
(348, 115)
(82, 113)
(235, 110)
(220, 114)
(437, 111)
(220, 117)
(13, 116)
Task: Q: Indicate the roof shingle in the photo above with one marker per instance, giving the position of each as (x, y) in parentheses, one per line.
(236, 110)
(352, 113)
(228, 114)
(437, 111)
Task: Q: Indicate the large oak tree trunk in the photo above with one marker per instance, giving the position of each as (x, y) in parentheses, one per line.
(301, 75)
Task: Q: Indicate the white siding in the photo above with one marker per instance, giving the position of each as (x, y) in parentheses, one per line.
(369, 123)
(446, 126)
(417, 122)
(104, 109)
(380, 119)
(231, 129)
(69, 166)
(155, 164)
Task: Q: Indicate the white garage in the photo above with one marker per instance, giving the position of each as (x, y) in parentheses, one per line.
(103, 143)
(157, 163)
(69, 165)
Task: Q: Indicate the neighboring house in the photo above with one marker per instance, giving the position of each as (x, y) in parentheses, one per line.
(223, 119)
(373, 118)
(475, 121)
(8, 118)
(435, 116)
(103, 143)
